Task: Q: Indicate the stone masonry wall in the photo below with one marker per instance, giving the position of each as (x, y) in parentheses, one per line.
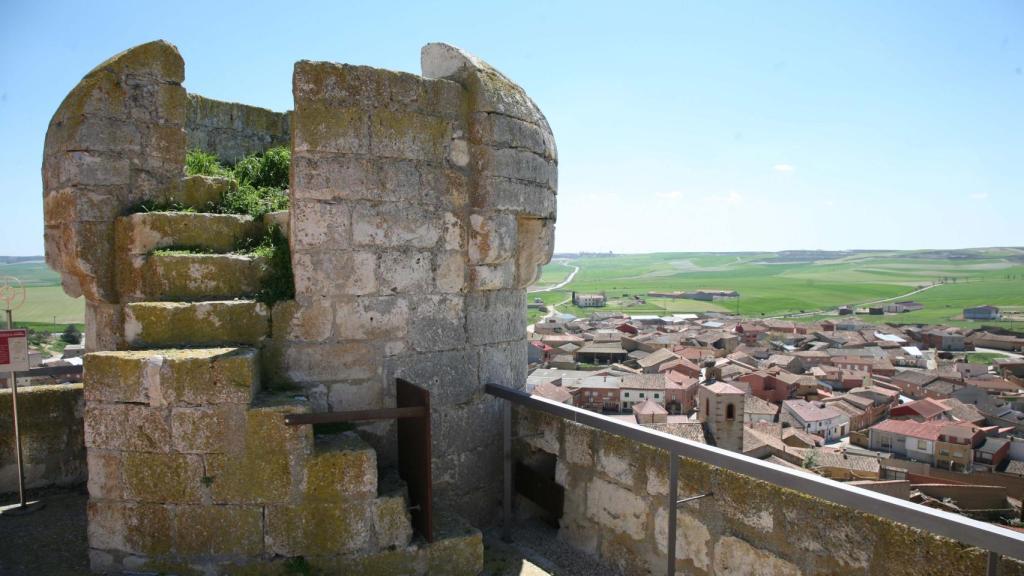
(615, 509)
(52, 440)
(421, 209)
(231, 130)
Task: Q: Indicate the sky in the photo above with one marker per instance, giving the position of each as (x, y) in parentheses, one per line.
(681, 126)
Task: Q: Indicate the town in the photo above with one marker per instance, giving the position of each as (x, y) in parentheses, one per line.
(903, 410)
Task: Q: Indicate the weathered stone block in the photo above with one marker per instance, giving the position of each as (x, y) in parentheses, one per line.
(371, 318)
(437, 323)
(126, 427)
(734, 556)
(617, 459)
(395, 225)
(219, 530)
(204, 376)
(495, 316)
(617, 508)
(199, 192)
(119, 376)
(536, 243)
(215, 429)
(517, 164)
(315, 529)
(449, 272)
(162, 478)
(450, 376)
(404, 272)
(136, 528)
(312, 321)
(341, 468)
(312, 278)
(457, 550)
(497, 277)
(504, 364)
(318, 224)
(579, 444)
(191, 277)
(492, 237)
(141, 233)
(500, 131)
(391, 523)
(309, 363)
(213, 323)
(319, 127)
(409, 135)
(693, 540)
(105, 479)
(529, 198)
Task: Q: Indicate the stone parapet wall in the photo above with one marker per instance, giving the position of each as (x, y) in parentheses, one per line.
(52, 438)
(231, 130)
(615, 509)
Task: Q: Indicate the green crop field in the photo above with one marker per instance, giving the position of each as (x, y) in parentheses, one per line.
(45, 299)
(775, 284)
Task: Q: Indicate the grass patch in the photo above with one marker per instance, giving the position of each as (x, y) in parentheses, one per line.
(984, 357)
(261, 179)
(279, 283)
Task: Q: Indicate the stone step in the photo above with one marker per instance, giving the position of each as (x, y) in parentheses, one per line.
(198, 192)
(185, 277)
(174, 377)
(186, 324)
(141, 233)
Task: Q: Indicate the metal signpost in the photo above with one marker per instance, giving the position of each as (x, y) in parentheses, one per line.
(14, 358)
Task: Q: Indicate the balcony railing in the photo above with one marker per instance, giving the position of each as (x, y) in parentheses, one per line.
(996, 540)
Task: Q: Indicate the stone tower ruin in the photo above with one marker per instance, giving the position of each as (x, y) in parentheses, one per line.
(421, 207)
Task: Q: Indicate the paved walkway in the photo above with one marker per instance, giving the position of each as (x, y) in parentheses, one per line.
(50, 541)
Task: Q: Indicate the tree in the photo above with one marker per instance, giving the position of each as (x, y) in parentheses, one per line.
(71, 335)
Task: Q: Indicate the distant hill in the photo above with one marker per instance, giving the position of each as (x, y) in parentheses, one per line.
(16, 259)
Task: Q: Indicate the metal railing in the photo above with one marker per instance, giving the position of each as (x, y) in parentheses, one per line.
(998, 541)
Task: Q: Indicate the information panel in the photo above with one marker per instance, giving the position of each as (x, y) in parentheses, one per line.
(13, 350)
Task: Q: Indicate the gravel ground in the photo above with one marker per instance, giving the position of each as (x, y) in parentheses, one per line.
(49, 541)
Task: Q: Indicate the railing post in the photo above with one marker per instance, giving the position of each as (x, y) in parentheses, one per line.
(673, 495)
(993, 564)
(506, 438)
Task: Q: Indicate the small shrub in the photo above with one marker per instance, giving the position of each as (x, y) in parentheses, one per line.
(71, 335)
(199, 163)
(268, 170)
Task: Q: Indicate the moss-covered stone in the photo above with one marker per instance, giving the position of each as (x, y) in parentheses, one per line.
(136, 528)
(207, 376)
(50, 422)
(154, 324)
(457, 550)
(163, 478)
(141, 233)
(184, 276)
(268, 471)
(319, 529)
(117, 376)
(219, 530)
(130, 427)
(342, 466)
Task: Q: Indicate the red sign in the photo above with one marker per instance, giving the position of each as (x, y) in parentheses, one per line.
(13, 350)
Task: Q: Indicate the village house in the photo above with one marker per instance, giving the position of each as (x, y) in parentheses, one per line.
(588, 300)
(816, 418)
(652, 363)
(907, 438)
(635, 388)
(901, 307)
(597, 393)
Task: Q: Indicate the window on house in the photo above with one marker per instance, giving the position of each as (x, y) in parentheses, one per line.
(656, 396)
(641, 394)
(625, 394)
(922, 445)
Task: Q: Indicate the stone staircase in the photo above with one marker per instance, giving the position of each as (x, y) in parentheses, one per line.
(192, 469)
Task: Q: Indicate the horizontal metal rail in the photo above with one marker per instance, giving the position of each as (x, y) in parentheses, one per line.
(51, 371)
(971, 532)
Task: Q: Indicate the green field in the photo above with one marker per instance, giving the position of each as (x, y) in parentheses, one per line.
(775, 284)
(45, 299)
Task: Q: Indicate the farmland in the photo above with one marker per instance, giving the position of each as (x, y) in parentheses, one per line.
(45, 299)
(776, 284)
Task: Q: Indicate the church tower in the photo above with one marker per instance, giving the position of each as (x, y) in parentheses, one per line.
(721, 407)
